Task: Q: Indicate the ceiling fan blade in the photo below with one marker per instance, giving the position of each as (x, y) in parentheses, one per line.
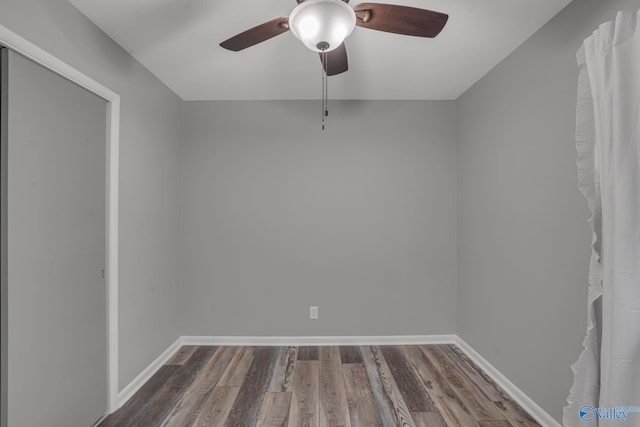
(257, 34)
(405, 20)
(336, 61)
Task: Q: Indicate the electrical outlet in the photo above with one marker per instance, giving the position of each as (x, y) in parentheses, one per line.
(313, 312)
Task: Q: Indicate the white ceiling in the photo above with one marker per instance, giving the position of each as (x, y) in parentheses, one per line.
(177, 40)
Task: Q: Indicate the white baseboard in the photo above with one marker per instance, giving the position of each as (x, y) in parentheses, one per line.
(147, 373)
(516, 394)
(510, 388)
(335, 340)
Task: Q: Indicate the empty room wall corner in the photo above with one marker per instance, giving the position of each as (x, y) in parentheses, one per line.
(524, 238)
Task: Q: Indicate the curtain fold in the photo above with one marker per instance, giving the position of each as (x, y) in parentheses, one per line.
(607, 373)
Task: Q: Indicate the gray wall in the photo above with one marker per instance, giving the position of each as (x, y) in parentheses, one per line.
(4, 228)
(524, 240)
(359, 219)
(149, 173)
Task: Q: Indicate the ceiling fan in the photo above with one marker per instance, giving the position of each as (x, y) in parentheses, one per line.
(322, 25)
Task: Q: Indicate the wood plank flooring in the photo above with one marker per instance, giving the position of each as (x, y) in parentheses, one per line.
(350, 386)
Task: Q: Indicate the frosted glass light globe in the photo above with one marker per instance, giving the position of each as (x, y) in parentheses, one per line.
(322, 25)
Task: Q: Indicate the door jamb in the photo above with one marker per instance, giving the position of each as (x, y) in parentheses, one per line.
(20, 45)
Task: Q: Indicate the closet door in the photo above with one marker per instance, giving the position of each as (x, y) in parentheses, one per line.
(55, 211)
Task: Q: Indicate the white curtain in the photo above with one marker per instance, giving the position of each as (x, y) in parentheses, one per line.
(607, 373)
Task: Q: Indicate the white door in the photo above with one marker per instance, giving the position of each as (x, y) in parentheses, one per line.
(55, 207)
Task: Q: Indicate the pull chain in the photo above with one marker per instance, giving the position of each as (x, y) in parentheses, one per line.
(325, 88)
(326, 85)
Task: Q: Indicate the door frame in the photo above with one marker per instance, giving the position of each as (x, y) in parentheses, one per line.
(22, 46)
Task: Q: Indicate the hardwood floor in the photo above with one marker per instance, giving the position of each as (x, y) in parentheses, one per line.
(369, 386)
